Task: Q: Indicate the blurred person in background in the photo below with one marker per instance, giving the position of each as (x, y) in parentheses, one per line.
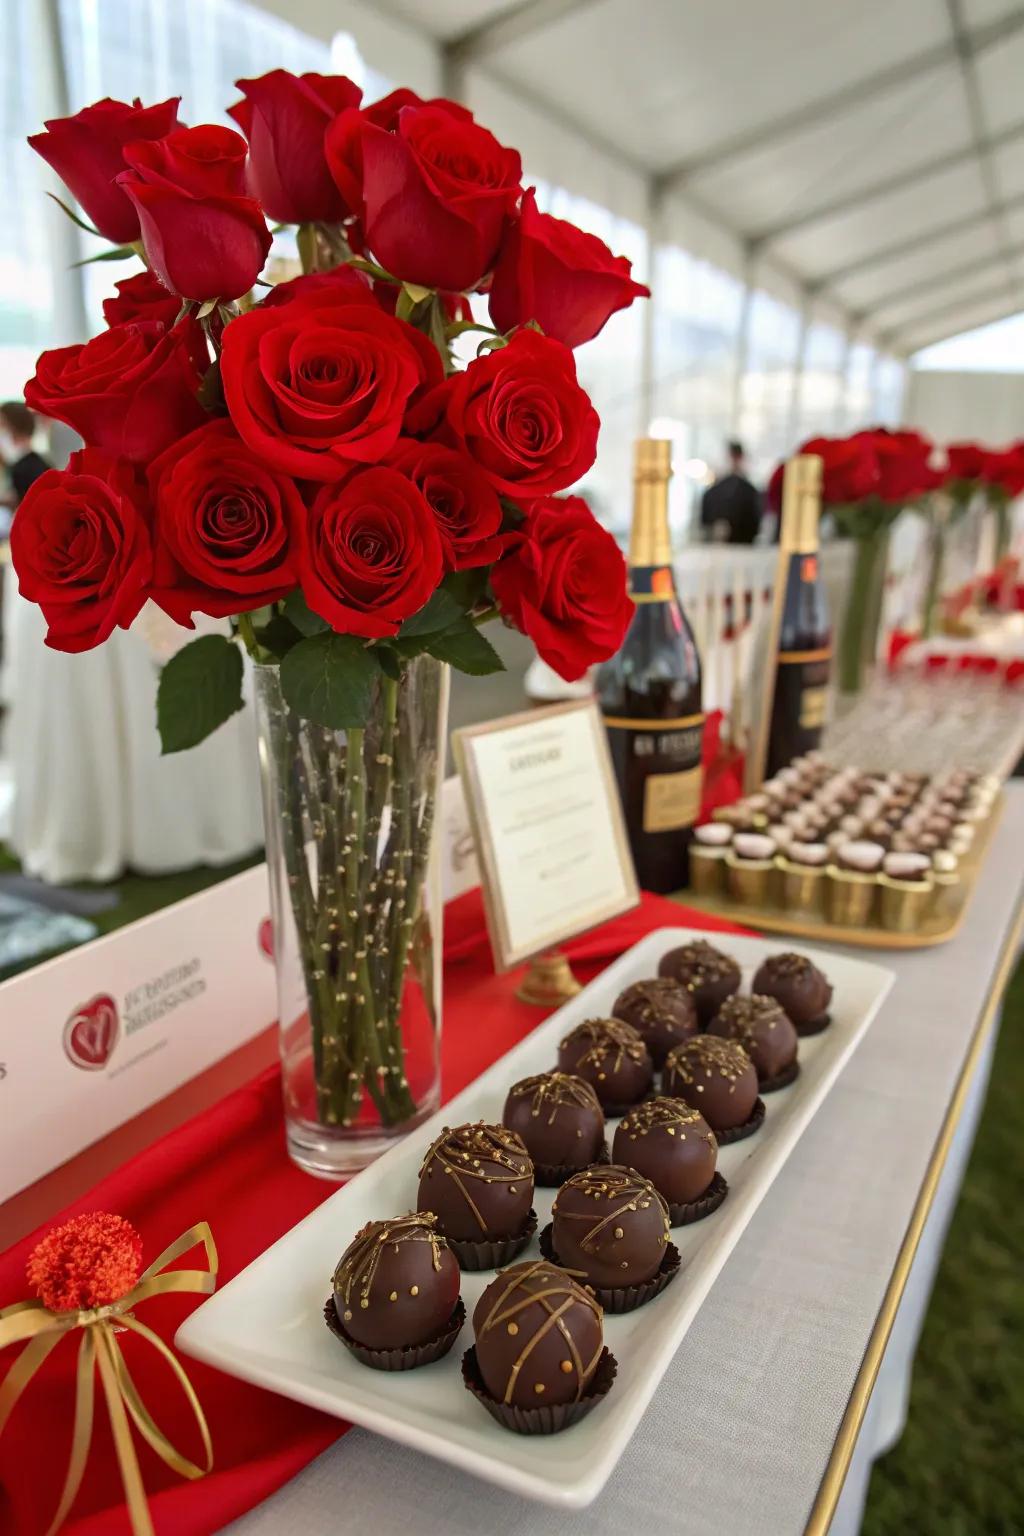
(731, 509)
(21, 463)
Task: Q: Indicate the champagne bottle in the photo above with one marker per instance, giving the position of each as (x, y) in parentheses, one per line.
(805, 638)
(650, 692)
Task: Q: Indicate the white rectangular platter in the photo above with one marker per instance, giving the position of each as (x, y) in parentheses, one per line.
(266, 1326)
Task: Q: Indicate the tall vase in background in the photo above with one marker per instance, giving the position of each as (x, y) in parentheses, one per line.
(939, 520)
(351, 836)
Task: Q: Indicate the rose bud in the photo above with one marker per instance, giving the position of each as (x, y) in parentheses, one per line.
(559, 276)
(564, 585)
(130, 390)
(323, 381)
(203, 238)
(520, 414)
(284, 118)
(143, 298)
(81, 547)
(86, 151)
(369, 553)
(432, 196)
(222, 526)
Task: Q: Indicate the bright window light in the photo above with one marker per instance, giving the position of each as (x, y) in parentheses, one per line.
(995, 348)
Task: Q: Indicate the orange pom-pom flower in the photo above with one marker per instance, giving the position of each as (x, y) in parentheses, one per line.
(90, 1261)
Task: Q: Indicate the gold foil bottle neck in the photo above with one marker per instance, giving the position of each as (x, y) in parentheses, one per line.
(649, 542)
(801, 503)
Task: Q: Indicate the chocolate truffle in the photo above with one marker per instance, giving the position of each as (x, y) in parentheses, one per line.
(611, 1055)
(906, 865)
(661, 1010)
(763, 1030)
(478, 1181)
(861, 858)
(559, 1119)
(705, 971)
(610, 1225)
(796, 984)
(715, 1076)
(539, 1336)
(671, 1144)
(397, 1283)
(753, 847)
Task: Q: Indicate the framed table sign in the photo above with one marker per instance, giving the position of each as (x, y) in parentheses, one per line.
(551, 842)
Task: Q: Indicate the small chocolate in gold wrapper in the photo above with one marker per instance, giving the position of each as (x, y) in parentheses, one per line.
(801, 886)
(749, 881)
(849, 897)
(706, 866)
(905, 903)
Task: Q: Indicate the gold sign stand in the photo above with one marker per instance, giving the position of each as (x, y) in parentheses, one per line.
(549, 981)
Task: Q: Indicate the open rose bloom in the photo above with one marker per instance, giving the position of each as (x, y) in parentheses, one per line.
(307, 464)
(306, 459)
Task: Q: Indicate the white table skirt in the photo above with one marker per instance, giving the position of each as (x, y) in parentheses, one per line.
(739, 1434)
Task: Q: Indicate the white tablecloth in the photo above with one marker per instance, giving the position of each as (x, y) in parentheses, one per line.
(741, 1429)
(92, 795)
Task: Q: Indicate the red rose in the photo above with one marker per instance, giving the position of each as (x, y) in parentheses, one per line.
(339, 280)
(850, 468)
(965, 461)
(343, 142)
(203, 239)
(557, 275)
(86, 151)
(369, 553)
(432, 196)
(317, 383)
(902, 464)
(564, 585)
(1004, 471)
(81, 547)
(144, 298)
(130, 390)
(222, 525)
(465, 505)
(284, 117)
(521, 415)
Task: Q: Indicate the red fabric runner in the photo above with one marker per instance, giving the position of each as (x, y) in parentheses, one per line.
(229, 1167)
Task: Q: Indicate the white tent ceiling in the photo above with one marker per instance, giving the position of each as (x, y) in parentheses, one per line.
(873, 150)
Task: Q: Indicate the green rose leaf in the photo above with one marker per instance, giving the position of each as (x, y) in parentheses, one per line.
(441, 612)
(463, 646)
(199, 689)
(329, 679)
(298, 612)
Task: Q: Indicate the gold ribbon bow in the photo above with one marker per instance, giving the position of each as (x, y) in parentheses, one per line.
(44, 1330)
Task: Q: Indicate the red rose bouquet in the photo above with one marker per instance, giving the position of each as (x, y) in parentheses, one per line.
(308, 462)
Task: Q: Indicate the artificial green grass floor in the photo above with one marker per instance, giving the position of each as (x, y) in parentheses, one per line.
(959, 1468)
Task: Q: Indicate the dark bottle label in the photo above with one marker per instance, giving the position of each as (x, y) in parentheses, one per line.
(801, 699)
(658, 765)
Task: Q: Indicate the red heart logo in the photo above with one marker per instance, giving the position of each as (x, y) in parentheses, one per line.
(265, 938)
(91, 1034)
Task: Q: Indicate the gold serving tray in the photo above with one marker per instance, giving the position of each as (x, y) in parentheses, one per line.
(937, 928)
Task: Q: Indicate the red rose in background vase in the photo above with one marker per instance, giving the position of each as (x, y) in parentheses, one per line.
(321, 382)
(81, 547)
(564, 585)
(965, 461)
(1004, 471)
(222, 526)
(903, 473)
(520, 413)
(559, 276)
(284, 118)
(130, 390)
(849, 468)
(369, 553)
(203, 238)
(86, 151)
(433, 195)
(464, 503)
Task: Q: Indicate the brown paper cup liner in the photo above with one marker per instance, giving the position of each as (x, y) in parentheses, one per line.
(781, 1079)
(621, 1298)
(549, 1177)
(492, 1253)
(398, 1359)
(741, 1132)
(695, 1210)
(550, 1418)
(815, 1027)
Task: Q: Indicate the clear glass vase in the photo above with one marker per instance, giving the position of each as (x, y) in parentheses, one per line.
(351, 837)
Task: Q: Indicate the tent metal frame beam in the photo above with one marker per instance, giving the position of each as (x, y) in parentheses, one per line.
(856, 94)
(957, 328)
(964, 304)
(950, 275)
(822, 212)
(501, 31)
(932, 236)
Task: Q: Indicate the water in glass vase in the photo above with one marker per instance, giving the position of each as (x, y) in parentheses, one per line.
(356, 907)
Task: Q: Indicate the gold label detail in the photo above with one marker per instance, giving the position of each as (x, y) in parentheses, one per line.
(627, 723)
(824, 653)
(813, 704)
(672, 800)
